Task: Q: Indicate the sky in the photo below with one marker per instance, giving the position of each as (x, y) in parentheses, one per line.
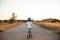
(36, 9)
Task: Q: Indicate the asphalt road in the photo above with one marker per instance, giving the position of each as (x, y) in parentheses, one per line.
(20, 33)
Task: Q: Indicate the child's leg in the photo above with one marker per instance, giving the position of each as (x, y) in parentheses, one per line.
(29, 35)
(30, 32)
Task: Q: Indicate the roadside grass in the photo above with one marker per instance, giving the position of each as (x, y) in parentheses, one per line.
(49, 25)
(5, 27)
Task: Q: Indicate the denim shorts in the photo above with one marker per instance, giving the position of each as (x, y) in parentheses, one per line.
(29, 30)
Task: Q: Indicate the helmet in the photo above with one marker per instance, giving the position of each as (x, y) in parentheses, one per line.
(29, 19)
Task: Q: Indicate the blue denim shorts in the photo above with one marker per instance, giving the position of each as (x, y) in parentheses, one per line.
(29, 30)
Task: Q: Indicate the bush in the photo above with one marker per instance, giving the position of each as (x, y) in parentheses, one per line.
(1, 30)
(5, 21)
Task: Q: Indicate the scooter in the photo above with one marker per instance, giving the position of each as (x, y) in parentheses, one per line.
(29, 35)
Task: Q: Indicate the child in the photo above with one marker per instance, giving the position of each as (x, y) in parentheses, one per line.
(29, 28)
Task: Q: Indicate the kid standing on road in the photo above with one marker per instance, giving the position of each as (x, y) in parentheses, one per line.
(29, 28)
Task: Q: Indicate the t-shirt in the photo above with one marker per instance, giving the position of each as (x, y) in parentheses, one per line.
(29, 24)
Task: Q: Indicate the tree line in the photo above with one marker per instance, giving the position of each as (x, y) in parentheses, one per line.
(11, 20)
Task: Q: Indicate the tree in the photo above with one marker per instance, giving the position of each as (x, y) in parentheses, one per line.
(13, 18)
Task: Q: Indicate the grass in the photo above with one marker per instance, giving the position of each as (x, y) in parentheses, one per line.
(5, 27)
(49, 25)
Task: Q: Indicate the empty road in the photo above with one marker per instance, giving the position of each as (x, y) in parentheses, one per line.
(20, 33)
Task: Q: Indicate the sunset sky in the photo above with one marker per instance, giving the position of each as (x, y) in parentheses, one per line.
(36, 9)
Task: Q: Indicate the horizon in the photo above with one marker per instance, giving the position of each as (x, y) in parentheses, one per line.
(36, 9)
